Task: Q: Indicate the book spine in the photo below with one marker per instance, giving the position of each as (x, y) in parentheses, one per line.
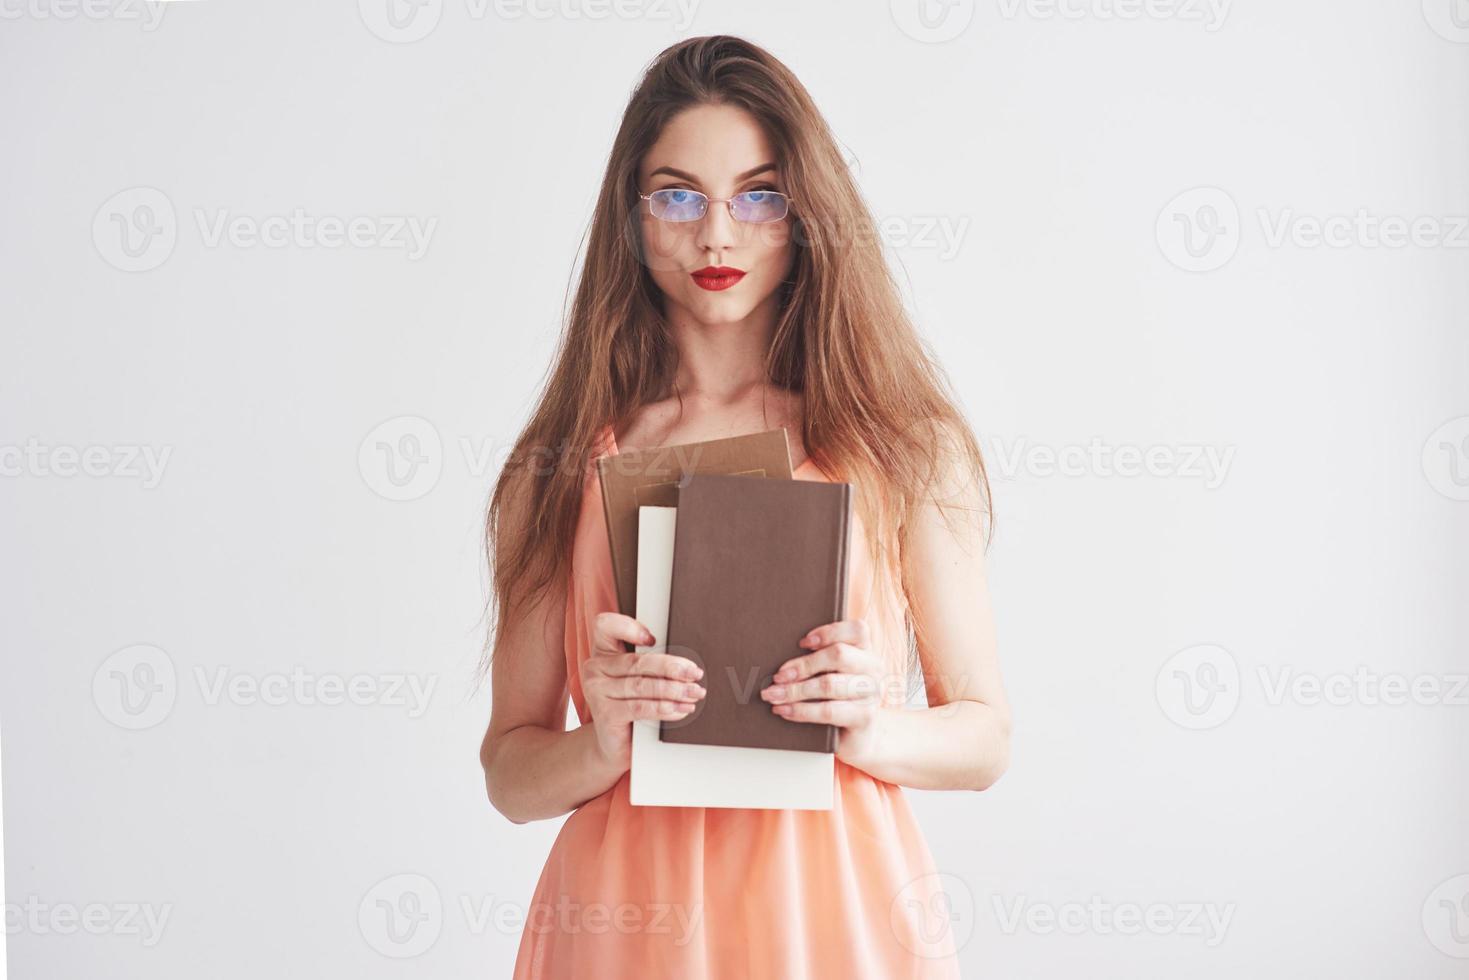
(843, 547)
(624, 602)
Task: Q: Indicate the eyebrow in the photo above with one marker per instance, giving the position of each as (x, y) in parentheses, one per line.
(694, 180)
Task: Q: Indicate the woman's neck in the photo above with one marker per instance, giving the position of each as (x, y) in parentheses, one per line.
(722, 362)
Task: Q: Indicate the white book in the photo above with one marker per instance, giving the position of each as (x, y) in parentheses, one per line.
(676, 774)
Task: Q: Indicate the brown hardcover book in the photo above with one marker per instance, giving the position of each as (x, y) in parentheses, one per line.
(651, 477)
(757, 564)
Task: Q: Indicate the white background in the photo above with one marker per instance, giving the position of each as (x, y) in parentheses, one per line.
(1029, 161)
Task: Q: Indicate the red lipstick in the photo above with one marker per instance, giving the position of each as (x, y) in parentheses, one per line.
(717, 277)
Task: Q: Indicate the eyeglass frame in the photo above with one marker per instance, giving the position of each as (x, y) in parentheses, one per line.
(726, 201)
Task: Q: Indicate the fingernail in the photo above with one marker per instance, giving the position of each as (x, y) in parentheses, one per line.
(784, 674)
(775, 692)
(647, 638)
(694, 691)
(782, 709)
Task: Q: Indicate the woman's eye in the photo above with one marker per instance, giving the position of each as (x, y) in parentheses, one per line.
(679, 196)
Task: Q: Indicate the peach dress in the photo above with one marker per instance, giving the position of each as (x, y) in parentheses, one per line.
(700, 893)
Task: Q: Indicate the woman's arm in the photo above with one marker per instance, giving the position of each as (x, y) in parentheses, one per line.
(534, 768)
(962, 740)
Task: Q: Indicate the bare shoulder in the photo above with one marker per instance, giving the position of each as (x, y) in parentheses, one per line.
(517, 496)
(532, 612)
(948, 527)
(956, 477)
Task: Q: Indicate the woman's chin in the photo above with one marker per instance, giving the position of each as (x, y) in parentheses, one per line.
(719, 308)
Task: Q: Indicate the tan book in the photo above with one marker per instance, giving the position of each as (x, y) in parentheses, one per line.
(651, 478)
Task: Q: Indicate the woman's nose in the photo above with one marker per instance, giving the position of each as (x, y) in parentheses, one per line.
(717, 228)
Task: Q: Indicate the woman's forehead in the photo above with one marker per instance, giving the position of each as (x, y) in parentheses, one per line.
(710, 143)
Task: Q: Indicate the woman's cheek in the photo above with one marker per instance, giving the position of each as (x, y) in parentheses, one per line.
(663, 248)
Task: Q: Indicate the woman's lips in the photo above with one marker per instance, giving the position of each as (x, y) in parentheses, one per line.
(717, 277)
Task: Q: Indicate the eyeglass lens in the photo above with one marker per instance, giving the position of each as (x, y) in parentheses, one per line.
(681, 204)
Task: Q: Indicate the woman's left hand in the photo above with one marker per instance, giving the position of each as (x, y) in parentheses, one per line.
(838, 683)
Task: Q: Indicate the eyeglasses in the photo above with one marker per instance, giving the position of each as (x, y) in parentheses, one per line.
(752, 207)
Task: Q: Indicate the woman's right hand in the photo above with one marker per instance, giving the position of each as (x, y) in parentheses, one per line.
(620, 687)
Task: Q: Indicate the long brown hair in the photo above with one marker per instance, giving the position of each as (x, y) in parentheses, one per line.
(879, 412)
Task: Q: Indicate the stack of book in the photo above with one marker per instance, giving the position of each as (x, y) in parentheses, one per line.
(729, 561)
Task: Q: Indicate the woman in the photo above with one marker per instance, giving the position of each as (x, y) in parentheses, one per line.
(733, 283)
